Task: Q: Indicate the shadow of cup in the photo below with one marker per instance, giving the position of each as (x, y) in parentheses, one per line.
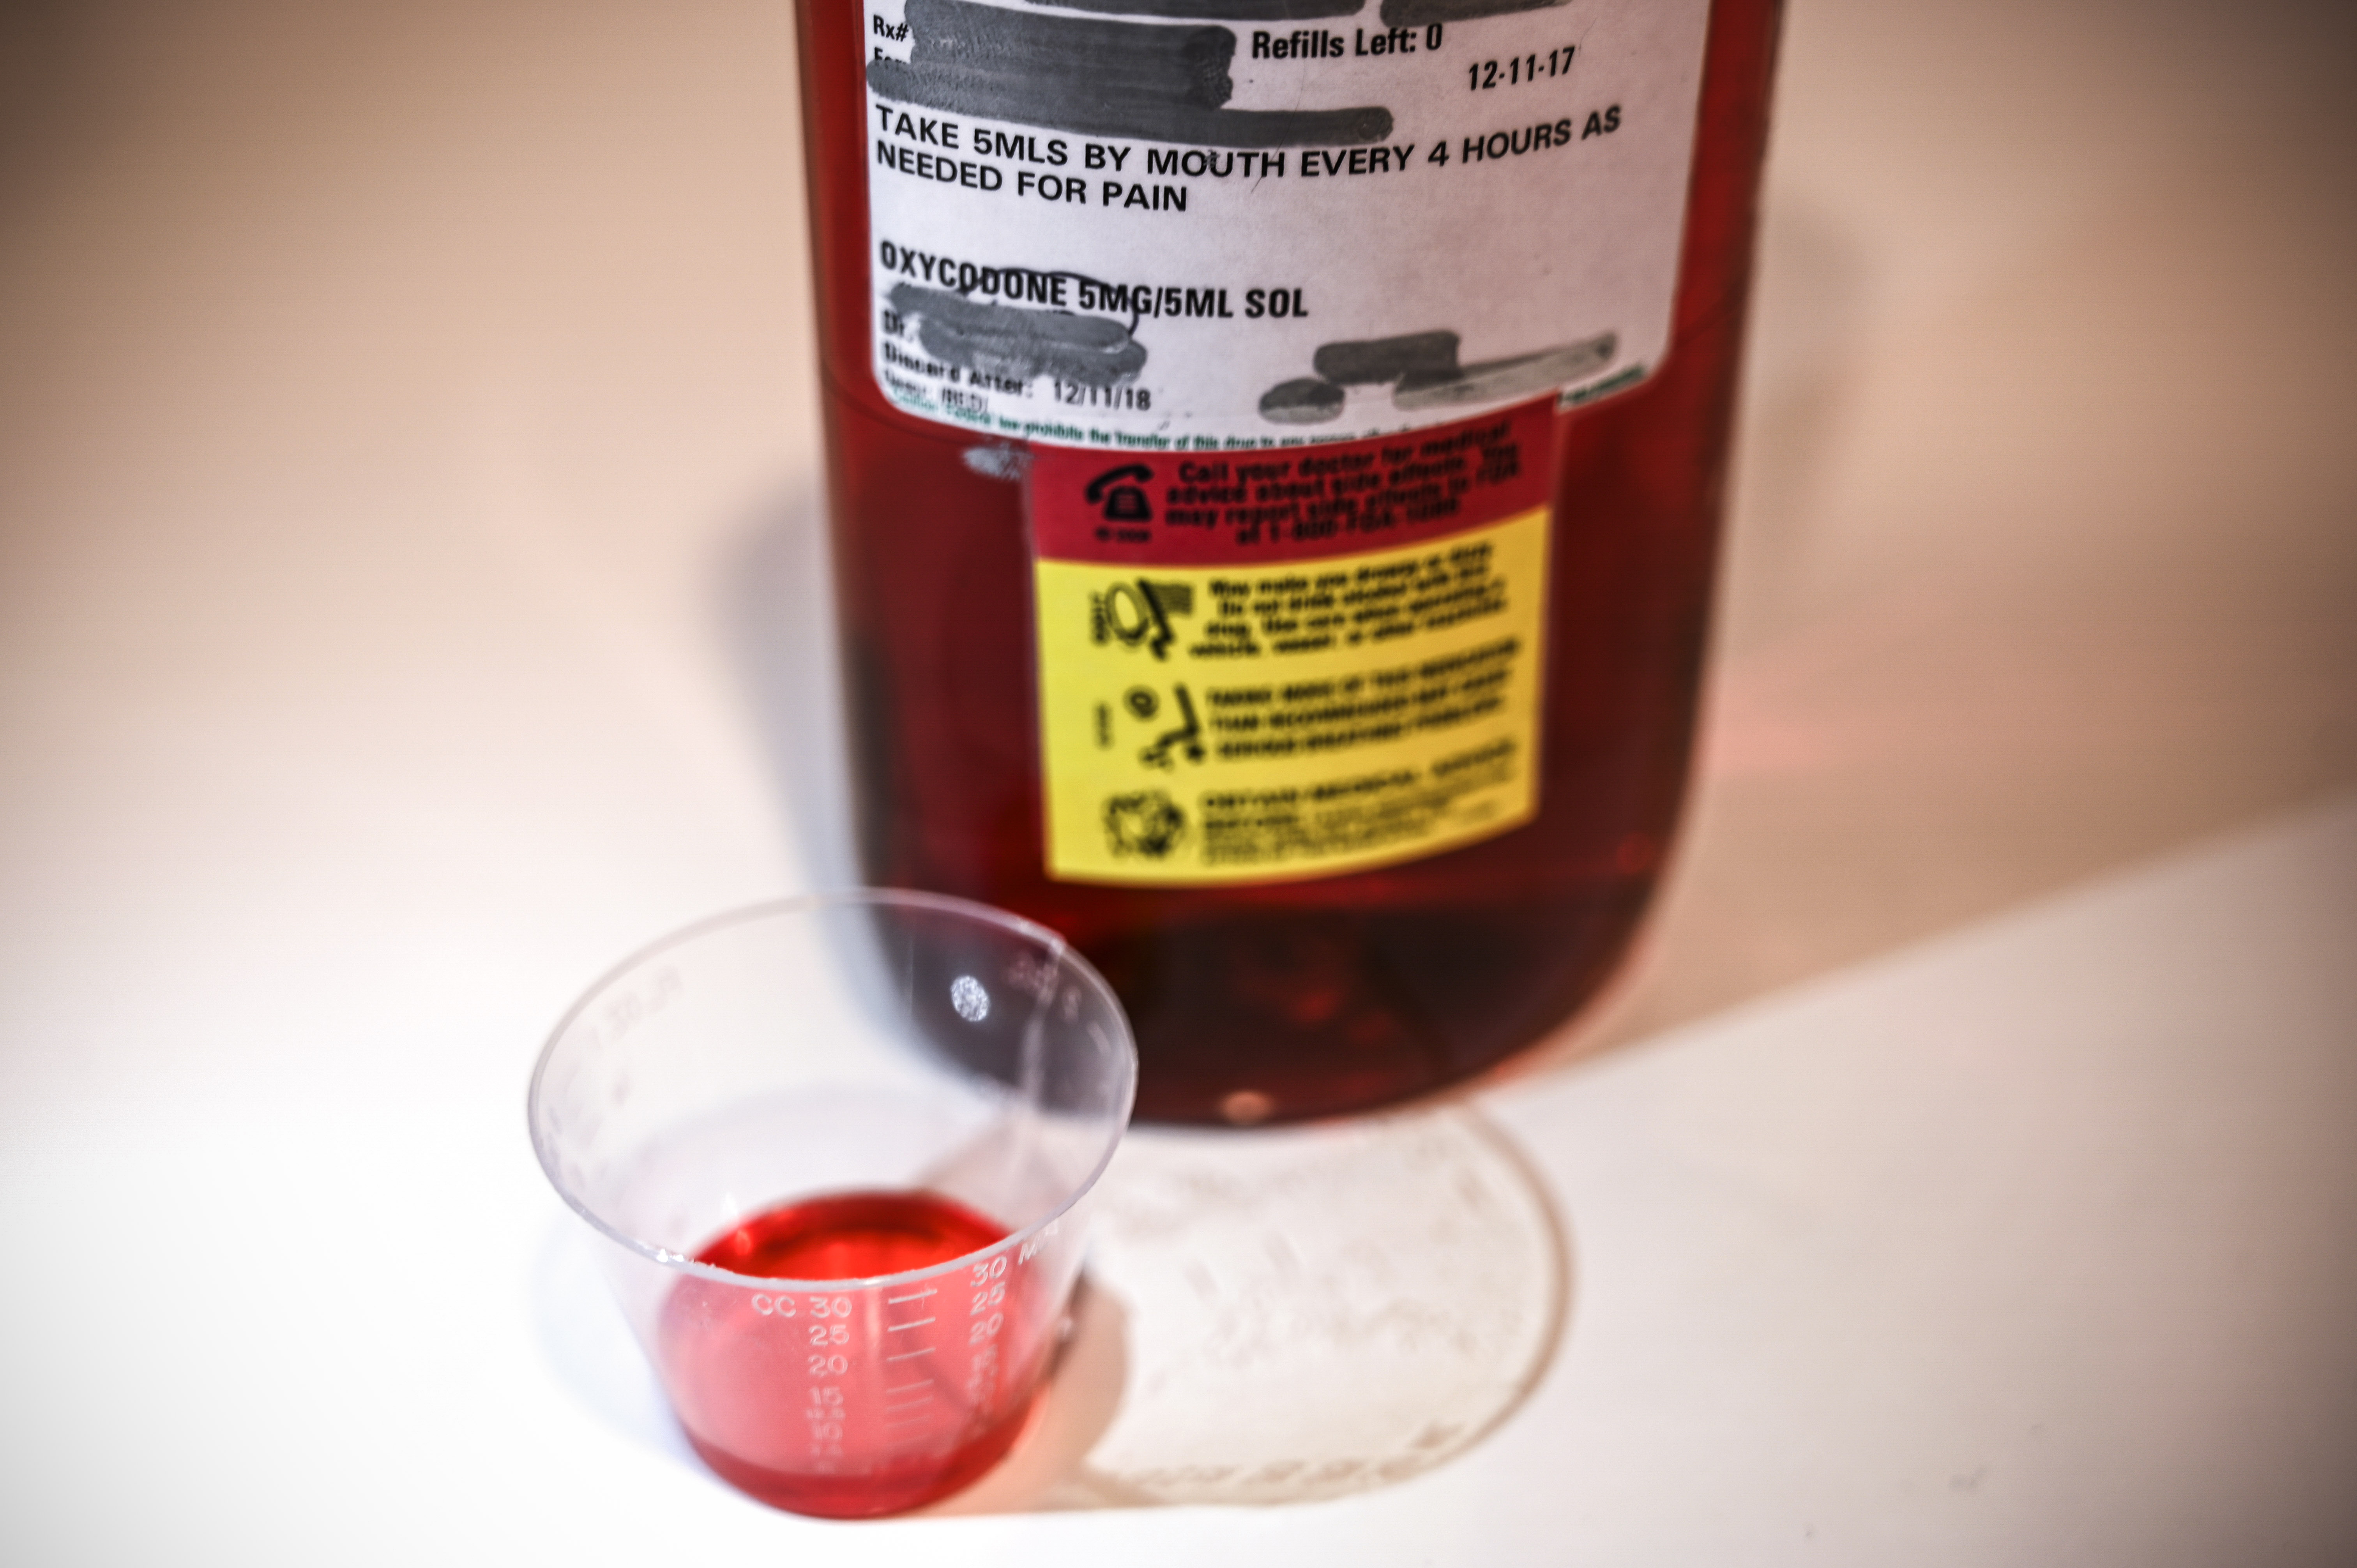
(1289, 1315)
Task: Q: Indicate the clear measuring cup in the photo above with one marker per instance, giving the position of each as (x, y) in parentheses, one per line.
(840, 1146)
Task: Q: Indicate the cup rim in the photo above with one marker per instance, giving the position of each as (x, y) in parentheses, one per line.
(836, 898)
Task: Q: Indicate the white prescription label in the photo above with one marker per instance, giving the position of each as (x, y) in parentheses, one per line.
(1220, 224)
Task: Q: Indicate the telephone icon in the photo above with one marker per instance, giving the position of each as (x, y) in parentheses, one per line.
(1117, 489)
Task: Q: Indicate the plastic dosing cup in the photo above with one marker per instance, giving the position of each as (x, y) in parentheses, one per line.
(840, 1146)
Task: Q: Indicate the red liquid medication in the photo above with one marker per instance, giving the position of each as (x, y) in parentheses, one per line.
(856, 1403)
(1275, 504)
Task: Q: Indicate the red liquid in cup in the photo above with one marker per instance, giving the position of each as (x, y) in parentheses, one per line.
(855, 1403)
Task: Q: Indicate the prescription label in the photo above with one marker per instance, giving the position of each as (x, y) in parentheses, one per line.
(1267, 666)
(1270, 222)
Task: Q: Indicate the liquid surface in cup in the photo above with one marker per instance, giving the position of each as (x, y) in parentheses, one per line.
(857, 1401)
(852, 1236)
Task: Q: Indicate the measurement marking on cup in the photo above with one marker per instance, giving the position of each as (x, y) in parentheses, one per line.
(913, 1388)
(897, 1328)
(896, 1300)
(911, 1355)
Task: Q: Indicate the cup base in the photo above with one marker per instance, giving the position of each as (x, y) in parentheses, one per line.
(867, 1489)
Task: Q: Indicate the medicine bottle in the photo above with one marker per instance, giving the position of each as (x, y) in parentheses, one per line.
(1276, 453)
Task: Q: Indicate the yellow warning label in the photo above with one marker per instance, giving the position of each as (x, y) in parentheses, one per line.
(1267, 722)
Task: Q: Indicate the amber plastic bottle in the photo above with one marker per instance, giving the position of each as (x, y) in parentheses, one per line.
(1302, 998)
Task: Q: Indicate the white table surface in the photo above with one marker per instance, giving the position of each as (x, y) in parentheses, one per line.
(410, 600)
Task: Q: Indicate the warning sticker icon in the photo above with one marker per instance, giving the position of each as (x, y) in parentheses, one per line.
(1148, 822)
